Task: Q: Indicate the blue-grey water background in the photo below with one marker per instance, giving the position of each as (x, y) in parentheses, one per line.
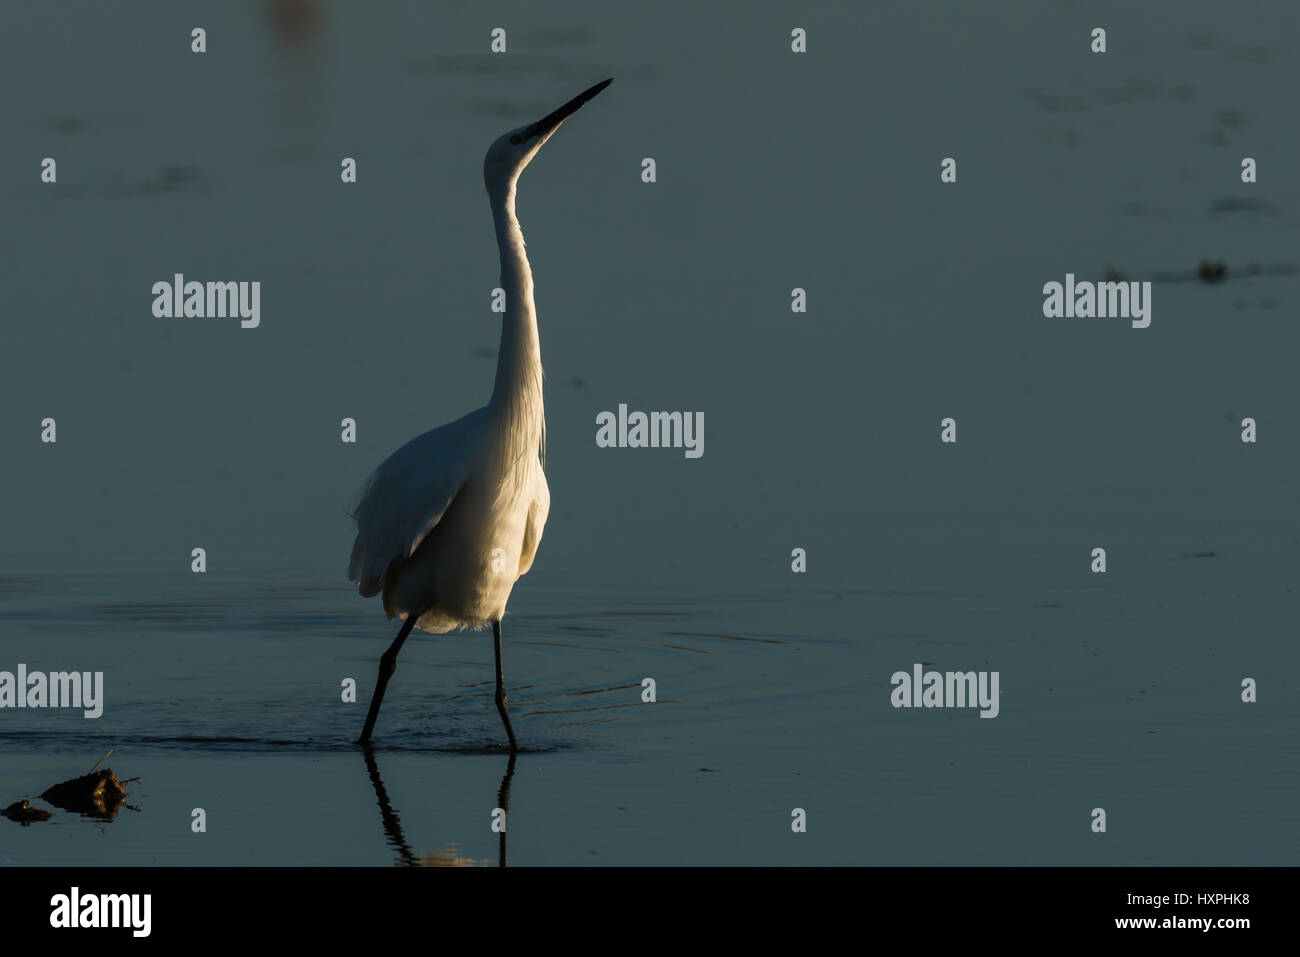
(775, 170)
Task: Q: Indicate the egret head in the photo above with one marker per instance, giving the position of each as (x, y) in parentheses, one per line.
(507, 157)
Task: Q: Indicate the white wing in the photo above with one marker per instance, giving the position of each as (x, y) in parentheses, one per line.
(407, 495)
(537, 512)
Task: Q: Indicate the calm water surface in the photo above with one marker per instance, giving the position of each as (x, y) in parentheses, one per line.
(1119, 691)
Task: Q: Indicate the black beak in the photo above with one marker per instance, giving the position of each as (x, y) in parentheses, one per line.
(548, 123)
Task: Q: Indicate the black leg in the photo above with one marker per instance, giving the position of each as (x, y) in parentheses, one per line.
(501, 687)
(387, 665)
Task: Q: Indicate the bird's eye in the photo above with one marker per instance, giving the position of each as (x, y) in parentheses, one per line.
(516, 139)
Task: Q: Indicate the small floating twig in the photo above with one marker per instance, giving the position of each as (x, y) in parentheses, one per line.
(101, 760)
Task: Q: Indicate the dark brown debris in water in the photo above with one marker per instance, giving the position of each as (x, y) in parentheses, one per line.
(1207, 271)
(1211, 271)
(23, 812)
(98, 794)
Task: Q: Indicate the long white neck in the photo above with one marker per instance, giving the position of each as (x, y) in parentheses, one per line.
(517, 393)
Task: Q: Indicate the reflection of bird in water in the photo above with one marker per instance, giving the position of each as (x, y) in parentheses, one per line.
(1209, 271)
(392, 823)
(503, 802)
(448, 856)
(449, 522)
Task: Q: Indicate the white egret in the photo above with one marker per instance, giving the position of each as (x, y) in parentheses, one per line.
(448, 522)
